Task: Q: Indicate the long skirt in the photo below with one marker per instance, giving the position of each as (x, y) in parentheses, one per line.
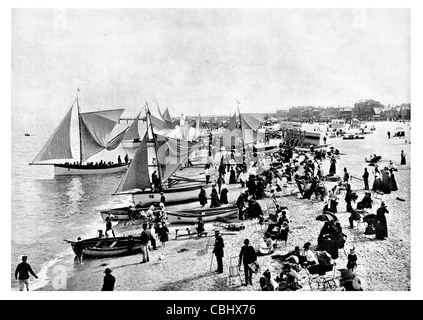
(394, 186)
(332, 169)
(381, 229)
(377, 184)
(403, 162)
(386, 184)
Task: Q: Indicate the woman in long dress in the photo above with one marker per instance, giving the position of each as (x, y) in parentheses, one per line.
(164, 234)
(232, 177)
(224, 195)
(403, 161)
(386, 182)
(215, 202)
(381, 223)
(394, 186)
(332, 169)
(202, 197)
(377, 184)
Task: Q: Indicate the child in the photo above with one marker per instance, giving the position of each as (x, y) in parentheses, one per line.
(164, 234)
(352, 260)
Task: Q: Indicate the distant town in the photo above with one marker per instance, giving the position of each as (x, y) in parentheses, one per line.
(366, 110)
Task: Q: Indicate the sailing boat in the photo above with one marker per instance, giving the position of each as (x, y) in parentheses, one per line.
(132, 136)
(238, 138)
(94, 129)
(159, 157)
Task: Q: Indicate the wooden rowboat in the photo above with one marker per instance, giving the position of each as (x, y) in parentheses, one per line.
(124, 213)
(206, 214)
(109, 247)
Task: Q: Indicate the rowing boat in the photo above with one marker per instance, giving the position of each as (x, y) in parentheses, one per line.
(206, 214)
(109, 247)
(124, 213)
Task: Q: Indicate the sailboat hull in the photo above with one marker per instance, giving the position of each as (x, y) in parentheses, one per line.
(131, 144)
(187, 192)
(70, 170)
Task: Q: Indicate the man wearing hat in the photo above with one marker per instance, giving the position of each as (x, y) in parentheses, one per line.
(78, 251)
(108, 281)
(23, 270)
(352, 260)
(218, 250)
(366, 179)
(247, 256)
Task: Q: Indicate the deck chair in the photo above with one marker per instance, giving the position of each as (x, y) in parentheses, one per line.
(378, 196)
(209, 244)
(326, 282)
(234, 271)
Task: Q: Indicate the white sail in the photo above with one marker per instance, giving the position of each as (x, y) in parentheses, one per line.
(114, 143)
(59, 144)
(133, 131)
(172, 154)
(96, 128)
(249, 127)
(198, 128)
(137, 176)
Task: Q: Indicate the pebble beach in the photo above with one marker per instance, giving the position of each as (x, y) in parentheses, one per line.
(187, 264)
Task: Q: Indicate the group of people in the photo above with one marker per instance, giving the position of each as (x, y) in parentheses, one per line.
(148, 238)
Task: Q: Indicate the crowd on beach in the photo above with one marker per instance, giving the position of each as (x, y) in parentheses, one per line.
(301, 176)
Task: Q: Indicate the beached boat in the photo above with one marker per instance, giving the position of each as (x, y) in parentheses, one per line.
(206, 214)
(109, 247)
(94, 135)
(124, 213)
(159, 157)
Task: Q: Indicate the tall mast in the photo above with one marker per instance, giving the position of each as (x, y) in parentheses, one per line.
(154, 138)
(242, 136)
(79, 127)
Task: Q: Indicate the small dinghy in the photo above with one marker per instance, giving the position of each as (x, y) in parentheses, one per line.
(125, 213)
(109, 247)
(206, 214)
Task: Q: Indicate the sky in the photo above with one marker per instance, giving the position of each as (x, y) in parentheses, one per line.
(205, 60)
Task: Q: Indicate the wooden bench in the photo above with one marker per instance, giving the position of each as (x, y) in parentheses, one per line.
(188, 232)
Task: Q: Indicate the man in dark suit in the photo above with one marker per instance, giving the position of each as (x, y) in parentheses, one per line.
(109, 281)
(247, 256)
(366, 179)
(218, 251)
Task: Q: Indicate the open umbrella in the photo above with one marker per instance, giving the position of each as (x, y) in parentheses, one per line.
(370, 218)
(346, 274)
(327, 216)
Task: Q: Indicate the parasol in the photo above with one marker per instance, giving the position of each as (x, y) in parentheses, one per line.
(346, 274)
(370, 218)
(326, 216)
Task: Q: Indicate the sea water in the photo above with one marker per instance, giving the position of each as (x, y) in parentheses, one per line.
(46, 209)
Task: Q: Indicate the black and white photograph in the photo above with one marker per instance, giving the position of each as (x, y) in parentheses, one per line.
(230, 150)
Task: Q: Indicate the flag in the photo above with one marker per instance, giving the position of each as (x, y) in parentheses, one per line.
(238, 102)
(78, 89)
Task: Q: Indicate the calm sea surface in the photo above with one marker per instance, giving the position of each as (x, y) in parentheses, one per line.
(45, 210)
